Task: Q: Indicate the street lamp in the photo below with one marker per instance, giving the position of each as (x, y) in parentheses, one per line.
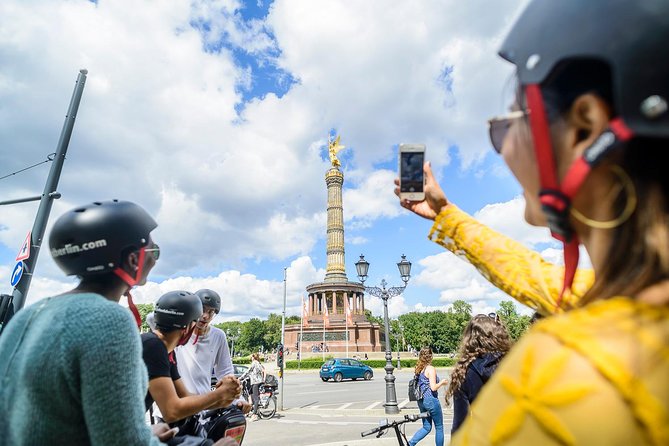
(232, 335)
(362, 268)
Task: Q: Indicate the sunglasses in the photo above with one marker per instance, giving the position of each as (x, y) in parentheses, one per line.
(154, 250)
(499, 126)
(493, 316)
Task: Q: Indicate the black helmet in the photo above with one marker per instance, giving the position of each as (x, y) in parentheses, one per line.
(90, 239)
(177, 309)
(629, 36)
(210, 298)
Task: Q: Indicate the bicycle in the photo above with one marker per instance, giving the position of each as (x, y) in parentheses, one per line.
(384, 425)
(267, 403)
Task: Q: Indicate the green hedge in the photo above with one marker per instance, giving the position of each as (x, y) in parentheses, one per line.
(242, 361)
(373, 363)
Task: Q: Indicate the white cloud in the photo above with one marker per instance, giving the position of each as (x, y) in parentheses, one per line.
(158, 124)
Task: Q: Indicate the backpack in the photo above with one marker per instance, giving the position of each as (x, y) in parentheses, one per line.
(415, 394)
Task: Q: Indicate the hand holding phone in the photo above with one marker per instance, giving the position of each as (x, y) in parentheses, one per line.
(412, 177)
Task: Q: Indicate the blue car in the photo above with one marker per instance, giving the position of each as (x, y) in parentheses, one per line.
(345, 368)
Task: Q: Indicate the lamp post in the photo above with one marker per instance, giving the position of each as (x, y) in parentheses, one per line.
(232, 335)
(362, 267)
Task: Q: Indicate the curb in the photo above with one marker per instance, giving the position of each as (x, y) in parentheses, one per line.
(377, 413)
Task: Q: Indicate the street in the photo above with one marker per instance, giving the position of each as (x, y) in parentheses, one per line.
(317, 412)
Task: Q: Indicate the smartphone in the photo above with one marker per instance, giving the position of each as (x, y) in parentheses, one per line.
(412, 176)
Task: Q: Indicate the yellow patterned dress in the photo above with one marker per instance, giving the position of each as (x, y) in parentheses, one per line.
(592, 375)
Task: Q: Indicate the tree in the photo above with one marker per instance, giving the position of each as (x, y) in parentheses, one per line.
(374, 319)
(272, 334)
(252, 336)
(515, 324)
(145, 309)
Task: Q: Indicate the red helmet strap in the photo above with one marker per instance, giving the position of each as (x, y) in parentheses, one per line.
(556, 198)
(127, 278)
(134, 310)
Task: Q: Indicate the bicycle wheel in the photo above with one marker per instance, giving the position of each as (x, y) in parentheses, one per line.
(269, 410)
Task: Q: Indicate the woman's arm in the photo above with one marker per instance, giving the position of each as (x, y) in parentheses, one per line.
(510, 266)
(431, 374)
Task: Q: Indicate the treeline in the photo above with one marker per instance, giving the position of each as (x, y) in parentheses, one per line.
(441, 330)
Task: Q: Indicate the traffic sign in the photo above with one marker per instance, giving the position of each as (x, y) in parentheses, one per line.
(24, 252)
(17, 273)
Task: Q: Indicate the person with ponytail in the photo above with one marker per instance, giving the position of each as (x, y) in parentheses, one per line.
(484, 343)
(587, 138)
(429, 384)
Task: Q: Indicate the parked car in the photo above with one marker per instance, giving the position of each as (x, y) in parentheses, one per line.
(239, 370)
(345, 368)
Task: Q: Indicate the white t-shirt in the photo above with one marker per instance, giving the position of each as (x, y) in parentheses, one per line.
(195, 362)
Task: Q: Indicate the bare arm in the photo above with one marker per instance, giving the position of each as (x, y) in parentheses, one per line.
(174, 406)
(431, 374)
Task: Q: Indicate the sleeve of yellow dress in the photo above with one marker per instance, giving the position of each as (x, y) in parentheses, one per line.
(507, 264)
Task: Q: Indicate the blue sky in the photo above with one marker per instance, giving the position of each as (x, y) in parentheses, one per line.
(215, 115)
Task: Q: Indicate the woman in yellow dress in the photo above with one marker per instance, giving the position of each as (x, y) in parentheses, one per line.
(588, 140)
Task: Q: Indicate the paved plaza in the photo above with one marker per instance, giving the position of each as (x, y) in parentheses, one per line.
(317, 412)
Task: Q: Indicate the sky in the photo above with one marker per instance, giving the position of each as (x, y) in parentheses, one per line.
(214, 115)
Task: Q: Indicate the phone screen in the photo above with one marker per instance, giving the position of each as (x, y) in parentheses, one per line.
(411, 171)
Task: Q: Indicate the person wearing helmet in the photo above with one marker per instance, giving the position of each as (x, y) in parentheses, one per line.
(175, 317)
(207, 350)
(58, 379)
(587, 139)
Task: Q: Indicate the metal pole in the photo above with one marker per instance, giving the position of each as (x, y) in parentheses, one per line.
(391, 397)
(283, 338)
(21, 290)
(299, 343)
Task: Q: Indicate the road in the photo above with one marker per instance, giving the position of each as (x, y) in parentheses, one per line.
(319, 412)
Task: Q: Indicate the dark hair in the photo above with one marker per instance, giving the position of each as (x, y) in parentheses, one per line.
(640, 255)
(482, 335)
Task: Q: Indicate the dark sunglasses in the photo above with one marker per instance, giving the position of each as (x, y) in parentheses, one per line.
(499, 126)
(154, 250)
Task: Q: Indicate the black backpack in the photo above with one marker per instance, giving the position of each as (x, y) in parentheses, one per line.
(415, 394)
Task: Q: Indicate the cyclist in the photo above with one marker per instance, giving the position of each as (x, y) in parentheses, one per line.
(257, 375)
(587, 140)
(175, 317)
(71, 364)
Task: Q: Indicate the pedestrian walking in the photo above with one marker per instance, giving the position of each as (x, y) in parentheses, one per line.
(429, 384)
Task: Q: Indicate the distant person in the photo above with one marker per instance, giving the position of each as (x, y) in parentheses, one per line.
(175, 316)
(366, 358)
(429, 384)
(71, 364)
(256, 375)
(484, 343)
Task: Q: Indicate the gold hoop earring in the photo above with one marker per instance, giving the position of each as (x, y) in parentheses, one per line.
(630, 205)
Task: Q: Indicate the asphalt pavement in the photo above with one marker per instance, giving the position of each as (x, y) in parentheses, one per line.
(334, 414)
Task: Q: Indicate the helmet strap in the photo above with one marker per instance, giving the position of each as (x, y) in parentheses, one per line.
(134, 310)
(186, 336)
(127, 278)
(556, 198)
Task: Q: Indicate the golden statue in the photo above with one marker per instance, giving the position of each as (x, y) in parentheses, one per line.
(334, 147)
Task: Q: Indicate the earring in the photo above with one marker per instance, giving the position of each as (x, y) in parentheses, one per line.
(630, 205)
